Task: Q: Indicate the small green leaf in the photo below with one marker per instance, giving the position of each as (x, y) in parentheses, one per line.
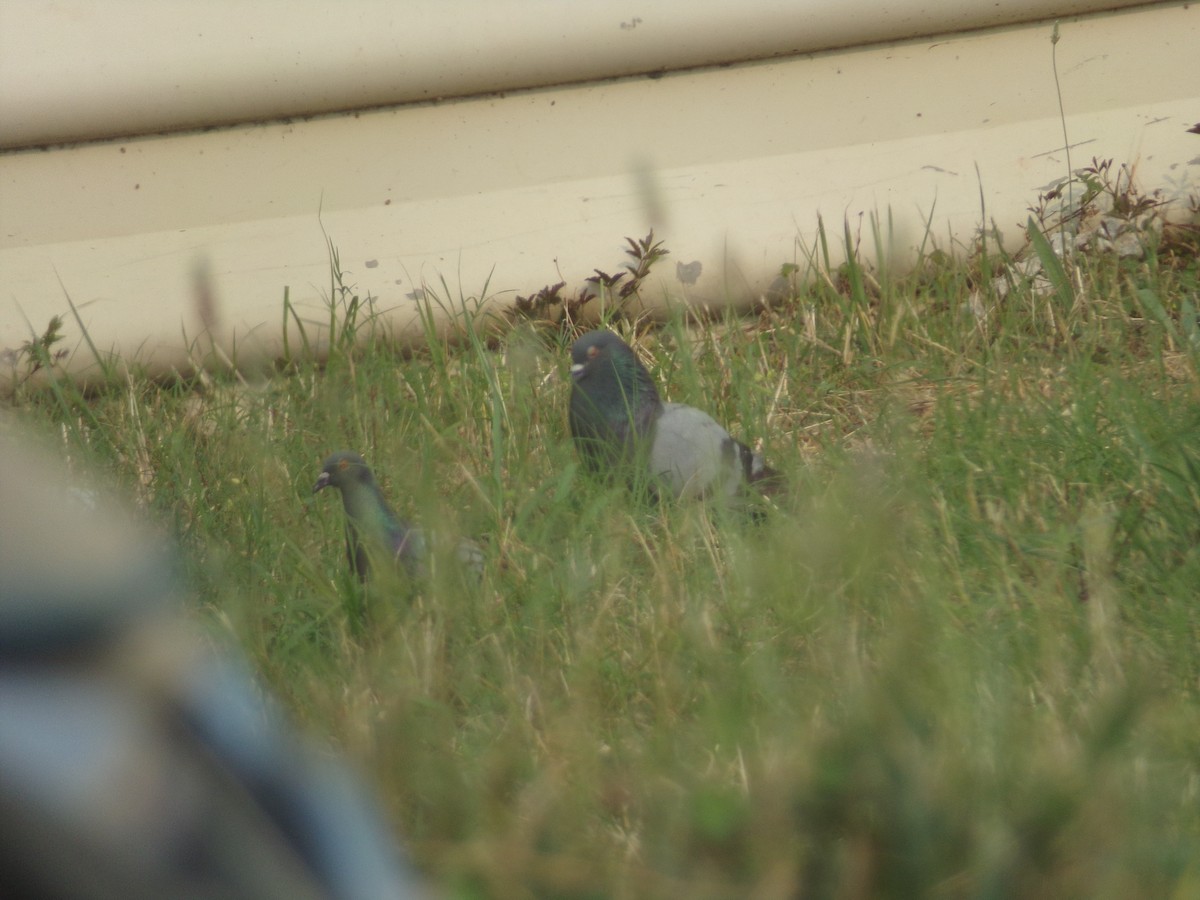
(1052, 265)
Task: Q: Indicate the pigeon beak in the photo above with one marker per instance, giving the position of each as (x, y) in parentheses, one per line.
(576, 370)
(322, 482)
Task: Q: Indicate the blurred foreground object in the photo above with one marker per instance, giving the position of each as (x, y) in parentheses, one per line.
(134, 760)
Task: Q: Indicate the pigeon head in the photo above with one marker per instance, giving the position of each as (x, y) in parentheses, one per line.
(343, 469)
(600, 352)
(605, 366)
(590, 350)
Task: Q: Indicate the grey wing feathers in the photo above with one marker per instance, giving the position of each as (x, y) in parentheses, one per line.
(469, 555)
(415, 555)
(693, 456)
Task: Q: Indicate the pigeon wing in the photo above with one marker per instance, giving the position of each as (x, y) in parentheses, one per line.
(693, 456)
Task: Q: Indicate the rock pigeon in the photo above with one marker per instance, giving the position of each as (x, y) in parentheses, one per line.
(619, 422)
(372, 529)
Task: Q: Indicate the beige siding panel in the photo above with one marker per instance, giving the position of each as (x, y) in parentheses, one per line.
(85, 69)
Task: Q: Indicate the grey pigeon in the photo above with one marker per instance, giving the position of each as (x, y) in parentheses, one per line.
(619, 423)
(372, 529)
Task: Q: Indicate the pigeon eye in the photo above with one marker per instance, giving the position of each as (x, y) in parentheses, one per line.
(343, 465)
(593, 352)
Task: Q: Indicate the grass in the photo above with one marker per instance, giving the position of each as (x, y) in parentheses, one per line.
(961, 660)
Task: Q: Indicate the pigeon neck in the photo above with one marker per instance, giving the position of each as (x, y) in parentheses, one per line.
(366, 507)
(636, 384)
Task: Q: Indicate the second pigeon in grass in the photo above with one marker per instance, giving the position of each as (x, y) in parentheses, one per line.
(373, 531)
(620, 424)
